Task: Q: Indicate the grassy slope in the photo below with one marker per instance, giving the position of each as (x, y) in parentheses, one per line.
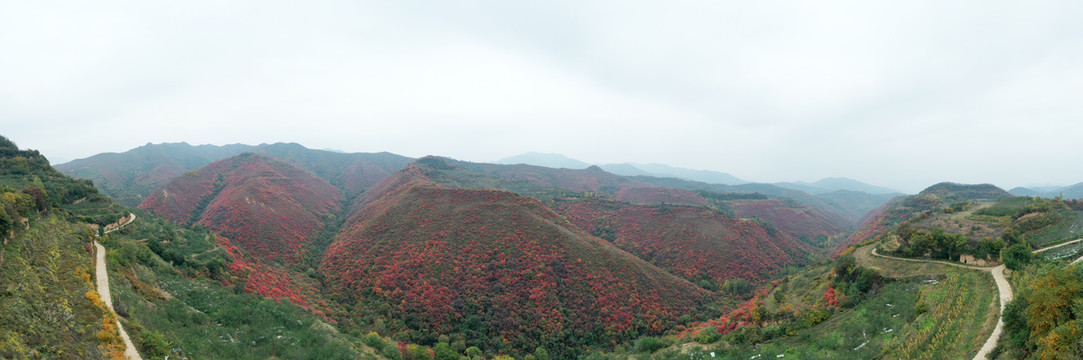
(887, 322)
(930, 201)
(887, 326)
(180, 311)
(175, 307)
(47, 302)
(44, 309)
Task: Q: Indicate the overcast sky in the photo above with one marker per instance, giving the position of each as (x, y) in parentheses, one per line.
(895, 93)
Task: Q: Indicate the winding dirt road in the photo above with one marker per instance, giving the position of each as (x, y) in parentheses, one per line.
(102, 279)
(1057, 245)
(131, 218)
(101, 276)
(1003, 288)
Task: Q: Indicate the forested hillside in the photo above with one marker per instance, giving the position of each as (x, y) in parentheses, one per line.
(269, 208)
(495, 270)
(172, 287)
(452, 258)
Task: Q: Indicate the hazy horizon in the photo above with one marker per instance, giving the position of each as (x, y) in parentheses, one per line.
(900, 95)
(496, 160)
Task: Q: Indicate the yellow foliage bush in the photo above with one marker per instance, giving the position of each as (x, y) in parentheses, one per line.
(109, 336)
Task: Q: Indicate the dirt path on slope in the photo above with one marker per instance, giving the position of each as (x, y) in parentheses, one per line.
(1003, 288)
(1057, 245)
(131, 218)
(102, 279)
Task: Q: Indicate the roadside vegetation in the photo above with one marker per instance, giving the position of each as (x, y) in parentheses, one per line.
(1045, 321)
(48, 306)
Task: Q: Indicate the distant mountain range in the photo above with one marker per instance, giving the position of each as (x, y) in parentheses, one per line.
(1067, 192)
(559, 161)
(822, 186)
(131, 176)
(835, 184)
(556, 161)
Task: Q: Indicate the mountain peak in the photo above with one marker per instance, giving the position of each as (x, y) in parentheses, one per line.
(556, 161)
(831, 184)
(950, 191)
(662, 170)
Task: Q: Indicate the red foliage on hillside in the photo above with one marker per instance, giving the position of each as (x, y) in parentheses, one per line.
(179, 200)
(660, 195)
(740, 316)
(274, 282)
(692, 242)
(260, 278)
(494, 264)
(800, 221)
(829, 297)
(267, 207)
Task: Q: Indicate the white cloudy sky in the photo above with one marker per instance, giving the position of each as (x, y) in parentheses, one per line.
(896, 93)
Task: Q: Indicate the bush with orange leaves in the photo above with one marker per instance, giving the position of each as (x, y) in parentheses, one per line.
(109, 336)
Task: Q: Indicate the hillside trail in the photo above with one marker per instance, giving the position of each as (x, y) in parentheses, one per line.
(1003, 288)
(131, 218)
(1057, 245)
(101, 277)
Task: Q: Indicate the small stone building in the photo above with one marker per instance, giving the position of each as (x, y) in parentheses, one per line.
(971, 260)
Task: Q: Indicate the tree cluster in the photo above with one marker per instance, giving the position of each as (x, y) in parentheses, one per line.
(1045, 321)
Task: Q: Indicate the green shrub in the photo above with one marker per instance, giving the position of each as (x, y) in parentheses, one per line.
(154, 344)
(374, 341)
(1016, 256)
(650, 344)
(443, 351)
(707, 336)
(418, 352)
(541, 354)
